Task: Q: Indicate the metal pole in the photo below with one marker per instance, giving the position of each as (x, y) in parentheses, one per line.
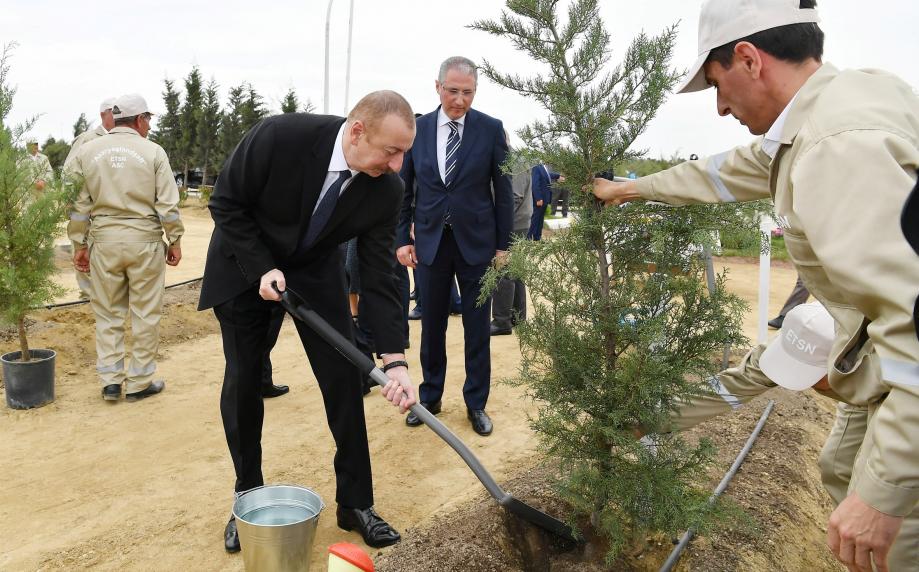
(765, 257)
(325, 94)
(348, 67)
(687, 536)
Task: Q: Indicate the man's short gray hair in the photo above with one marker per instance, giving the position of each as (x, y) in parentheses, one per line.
(460, 64)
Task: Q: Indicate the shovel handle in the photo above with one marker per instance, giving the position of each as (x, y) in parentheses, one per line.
(299, 309)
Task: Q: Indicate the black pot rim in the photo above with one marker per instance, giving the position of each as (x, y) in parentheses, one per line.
(13, 357)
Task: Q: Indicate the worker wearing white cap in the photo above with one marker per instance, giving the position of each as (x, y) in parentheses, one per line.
(837, 151)
(106, 125)
(127, 206)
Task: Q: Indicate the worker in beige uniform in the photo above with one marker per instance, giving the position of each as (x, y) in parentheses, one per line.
(107, 123)
(128, 201)
(40, 166)
(830, 140)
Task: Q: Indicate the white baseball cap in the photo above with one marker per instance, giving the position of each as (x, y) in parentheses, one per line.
(129, 105)
(798, 357)
(723, 21)
(106, 104)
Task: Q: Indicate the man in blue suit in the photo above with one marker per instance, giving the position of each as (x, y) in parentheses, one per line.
(460, 227)
(542, 197)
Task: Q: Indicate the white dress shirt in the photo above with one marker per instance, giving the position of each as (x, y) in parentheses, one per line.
(337, 164)
(443, 133)
(774, 135)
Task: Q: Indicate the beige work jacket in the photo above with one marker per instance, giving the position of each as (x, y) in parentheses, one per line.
(128, 191)
(82, 139)
(847, 161)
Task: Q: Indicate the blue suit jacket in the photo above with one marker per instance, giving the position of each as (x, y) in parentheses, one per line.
(542, 184)
(481, 222)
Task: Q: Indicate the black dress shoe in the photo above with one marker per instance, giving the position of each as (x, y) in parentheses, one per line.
(415, 314)
(155, 387)
(413, 420)
(231, 536)
(496, 331)
(375, 531)
(776, 323)
(272, 390)
(481, 422)
(111, 392)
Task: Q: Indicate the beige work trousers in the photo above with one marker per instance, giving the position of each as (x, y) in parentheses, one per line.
(842, 461)
(127, 275)
(85, 284)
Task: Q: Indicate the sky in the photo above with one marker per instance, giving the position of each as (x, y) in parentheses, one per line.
(71, 55)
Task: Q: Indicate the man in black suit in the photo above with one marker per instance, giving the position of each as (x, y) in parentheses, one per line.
(462, 213)
(296, 187)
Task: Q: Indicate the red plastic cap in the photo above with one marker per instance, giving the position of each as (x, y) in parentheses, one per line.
(352, 554)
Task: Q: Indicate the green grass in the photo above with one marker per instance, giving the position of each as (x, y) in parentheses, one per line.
(779, 251)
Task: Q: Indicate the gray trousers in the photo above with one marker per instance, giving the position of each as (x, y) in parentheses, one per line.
(797, 297)
(509, 302)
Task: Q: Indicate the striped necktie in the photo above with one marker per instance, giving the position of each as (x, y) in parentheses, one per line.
(453, 143)
(324, 210)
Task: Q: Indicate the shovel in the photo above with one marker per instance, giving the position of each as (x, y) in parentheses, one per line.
(299, 309)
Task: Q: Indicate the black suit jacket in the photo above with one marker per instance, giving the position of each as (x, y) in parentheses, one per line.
(262, 205)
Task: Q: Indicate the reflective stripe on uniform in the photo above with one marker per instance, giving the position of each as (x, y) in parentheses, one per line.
(170, 217)
(714, 168)
(723, 392)
(114, 368)
(79, 217)
(900, 372)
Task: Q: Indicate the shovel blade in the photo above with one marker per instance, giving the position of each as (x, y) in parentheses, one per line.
(539, 518)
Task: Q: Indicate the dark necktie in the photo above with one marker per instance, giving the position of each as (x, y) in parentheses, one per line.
(323, 212)
(453, 143)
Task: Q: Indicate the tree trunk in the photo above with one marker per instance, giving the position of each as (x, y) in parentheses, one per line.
(185, 174)
(204, 168)
(23, 342)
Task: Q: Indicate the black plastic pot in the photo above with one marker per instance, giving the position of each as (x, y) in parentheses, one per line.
(28, 384)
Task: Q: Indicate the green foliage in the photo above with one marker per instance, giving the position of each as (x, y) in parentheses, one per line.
(168, 126)
(622, 327)
(231, 128)
(209, 131)
(190, 123)
(253, 108)
(205, 194)
(290, 103)
(643, 167)
(80, 126)
(57, 151)
(29, 220)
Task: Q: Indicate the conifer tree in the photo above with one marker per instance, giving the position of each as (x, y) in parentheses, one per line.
(168, 126)
(81, 125)
(621, 328)
(290, 103)
(190, 122)
(29, 219)
(208, 139)
(231, 125)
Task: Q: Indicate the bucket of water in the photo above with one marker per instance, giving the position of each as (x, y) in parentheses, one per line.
(277, 525)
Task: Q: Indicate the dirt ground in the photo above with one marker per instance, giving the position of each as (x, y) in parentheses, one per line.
(148, 485)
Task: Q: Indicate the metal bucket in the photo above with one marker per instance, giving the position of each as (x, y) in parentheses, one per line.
(277, 525)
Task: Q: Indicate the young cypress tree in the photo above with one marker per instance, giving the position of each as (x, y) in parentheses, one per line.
(622, 326)
(208, 139)
(29, 219)
(168, 128)
(190, 122)
(290, 103)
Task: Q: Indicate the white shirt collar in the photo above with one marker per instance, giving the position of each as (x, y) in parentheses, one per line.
(338, 162)
(772, 138)
(442, 118)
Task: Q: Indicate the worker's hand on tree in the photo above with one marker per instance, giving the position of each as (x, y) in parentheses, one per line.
(264, 288)
(614, 193)
(81, 259)
(500, 259)
(399, 390)
(858, 532)
(40, 184)
(406, 256)
(173, 255)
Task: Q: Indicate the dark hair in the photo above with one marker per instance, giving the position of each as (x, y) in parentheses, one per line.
(792, 43)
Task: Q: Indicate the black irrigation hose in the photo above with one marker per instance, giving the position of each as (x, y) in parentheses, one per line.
(687, 536)
(78, 302)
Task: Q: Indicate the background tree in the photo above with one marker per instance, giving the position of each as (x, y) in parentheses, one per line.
(253, 108)
(290, 103)
(622, 327)
(231, 126)
(190, 122)
(80, 126)
(28, 221)
(209, 133)
(308, 107)
(168, 131)
(57, 151)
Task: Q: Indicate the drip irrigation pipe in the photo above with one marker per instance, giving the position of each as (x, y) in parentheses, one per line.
(78, 302)
(687, 536)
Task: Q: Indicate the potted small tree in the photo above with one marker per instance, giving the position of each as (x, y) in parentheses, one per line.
(30, 217)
